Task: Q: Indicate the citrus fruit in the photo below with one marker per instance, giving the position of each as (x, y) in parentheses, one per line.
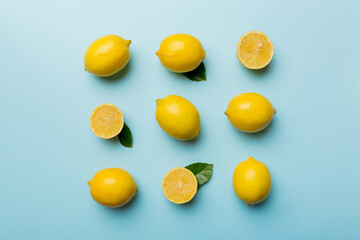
(250, 112)
(251, 181)
(181, 53)
(255, 50)
(112, 187)
(106, 121)
(107, 55)
(178, 117)
(179, 185)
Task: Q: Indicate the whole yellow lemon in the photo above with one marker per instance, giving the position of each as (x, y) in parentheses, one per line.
(112, 187)
(107, 55)
(250, 112)
(178, 117)
(181, 53)
(251, 181)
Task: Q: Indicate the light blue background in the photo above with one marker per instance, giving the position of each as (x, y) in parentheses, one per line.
(48, 152)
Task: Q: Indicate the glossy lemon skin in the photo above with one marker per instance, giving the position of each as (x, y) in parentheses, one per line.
(178, 117)
(112, 187)
(252, 181)
(250, 112)
(181, 53)
(107, 55)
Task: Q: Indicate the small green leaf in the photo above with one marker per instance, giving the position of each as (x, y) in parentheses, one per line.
(125, 137)
(202, 172)
(198, 74)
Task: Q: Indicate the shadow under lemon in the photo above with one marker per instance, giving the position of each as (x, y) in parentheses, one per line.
(262, 71)
(190, 142)
(264, 203)
(261, 133)
(127, 207)
(117, 76)
(190, 203)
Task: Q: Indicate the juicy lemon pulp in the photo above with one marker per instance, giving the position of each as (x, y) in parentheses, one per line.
(255, 50)
(179, 185)
(106, 121)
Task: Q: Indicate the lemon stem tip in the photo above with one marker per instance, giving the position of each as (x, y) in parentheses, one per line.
(128, 42)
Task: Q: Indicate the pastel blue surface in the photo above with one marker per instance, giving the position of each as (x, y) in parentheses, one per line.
(48, 152)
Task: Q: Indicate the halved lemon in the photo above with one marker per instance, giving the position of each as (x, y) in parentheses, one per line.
(106, 121)
(179, 185)
(255, 50)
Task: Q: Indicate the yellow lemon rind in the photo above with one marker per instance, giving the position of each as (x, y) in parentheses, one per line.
(104, 73)
(247, 200)
(115, 205)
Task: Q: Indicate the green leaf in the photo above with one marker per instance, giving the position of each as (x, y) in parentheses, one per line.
(202, 172)
(125, 137)
(198, 74)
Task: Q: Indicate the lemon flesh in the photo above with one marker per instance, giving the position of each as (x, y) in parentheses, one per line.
(255, 50)
(181, 53)
(250, 112)
(106, 121)
(178, 117)
(251, 181)
(107, 55)
(112, 187)
(179, 185)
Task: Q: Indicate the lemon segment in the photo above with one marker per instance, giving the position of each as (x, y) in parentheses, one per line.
(252, 181)
(181, 53)
(250, 112)
(255, 50)
(179, 185)
(106, 121)
(112, 187)
(107, 55)
(178, 117)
